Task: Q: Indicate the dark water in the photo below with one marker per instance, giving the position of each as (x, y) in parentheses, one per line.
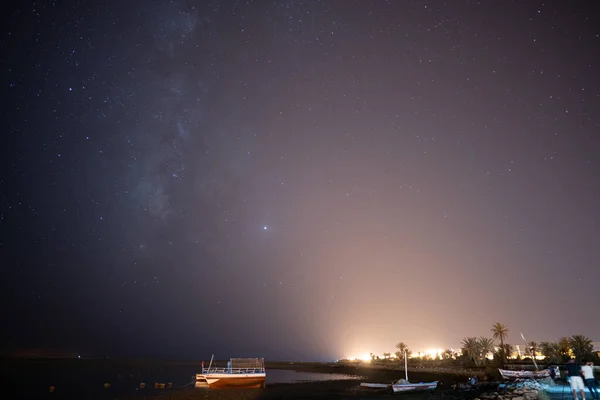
(87, 380)
(288, 376)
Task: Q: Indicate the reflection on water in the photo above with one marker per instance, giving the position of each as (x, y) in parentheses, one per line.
(289, 376)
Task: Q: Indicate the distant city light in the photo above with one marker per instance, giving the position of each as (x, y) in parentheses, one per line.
(363, 357)
(434, 353)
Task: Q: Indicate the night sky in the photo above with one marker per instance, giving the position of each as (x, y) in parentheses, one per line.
(297, 179)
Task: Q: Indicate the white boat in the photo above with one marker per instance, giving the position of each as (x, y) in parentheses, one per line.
(239, 373)
(508, 374)
(375, 385)
(403, 385)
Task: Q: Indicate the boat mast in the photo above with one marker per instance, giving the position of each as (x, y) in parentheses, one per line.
(405, 367)
(529, 351)
(211, 360)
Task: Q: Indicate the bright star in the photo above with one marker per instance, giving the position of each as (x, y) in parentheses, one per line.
(265, 228)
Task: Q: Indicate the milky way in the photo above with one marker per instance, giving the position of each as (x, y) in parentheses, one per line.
(320, 177)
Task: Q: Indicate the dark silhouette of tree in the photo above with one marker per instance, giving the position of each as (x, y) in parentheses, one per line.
(550, 351)
(504, 352)
(564, 348)
(402, 347)
(581, 346)
(486, 346)
(447, 354)
(500, 333)
(533, 349)
(472, 349)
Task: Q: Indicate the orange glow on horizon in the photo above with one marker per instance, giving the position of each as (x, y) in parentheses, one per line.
(362, 357)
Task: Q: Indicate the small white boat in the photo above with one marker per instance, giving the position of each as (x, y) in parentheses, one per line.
(375, 385)
(403, 385)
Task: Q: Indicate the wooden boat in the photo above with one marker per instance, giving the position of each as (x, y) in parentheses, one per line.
(239, 373)
(403, 385)
(508, 374)
(200, 381)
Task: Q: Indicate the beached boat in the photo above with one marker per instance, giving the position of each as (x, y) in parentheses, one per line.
(403, 385)
(508, 374)
(239, 373)
(375, 385)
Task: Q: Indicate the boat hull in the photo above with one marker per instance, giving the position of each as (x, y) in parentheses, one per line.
(375, 385)
(507, 374)
(412, 387)
(220, 381)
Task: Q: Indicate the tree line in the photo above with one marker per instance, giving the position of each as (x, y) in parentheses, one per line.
(477, 350)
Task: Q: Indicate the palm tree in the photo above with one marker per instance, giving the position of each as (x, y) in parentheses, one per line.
(399, 357)
(550, 351)
(581, 346)
(533, 349)
(500, 333)
(564, 348)
(486, 346)
(403, 348)
(472, 349)
(386, 356)
(447, 354)
(506, 350)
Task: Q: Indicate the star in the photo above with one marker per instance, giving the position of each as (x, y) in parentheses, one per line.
(438, 146)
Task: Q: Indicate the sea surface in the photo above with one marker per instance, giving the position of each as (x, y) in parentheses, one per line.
(69, 380)
(289, 376)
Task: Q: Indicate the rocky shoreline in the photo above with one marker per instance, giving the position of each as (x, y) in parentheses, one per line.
(525, 390)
